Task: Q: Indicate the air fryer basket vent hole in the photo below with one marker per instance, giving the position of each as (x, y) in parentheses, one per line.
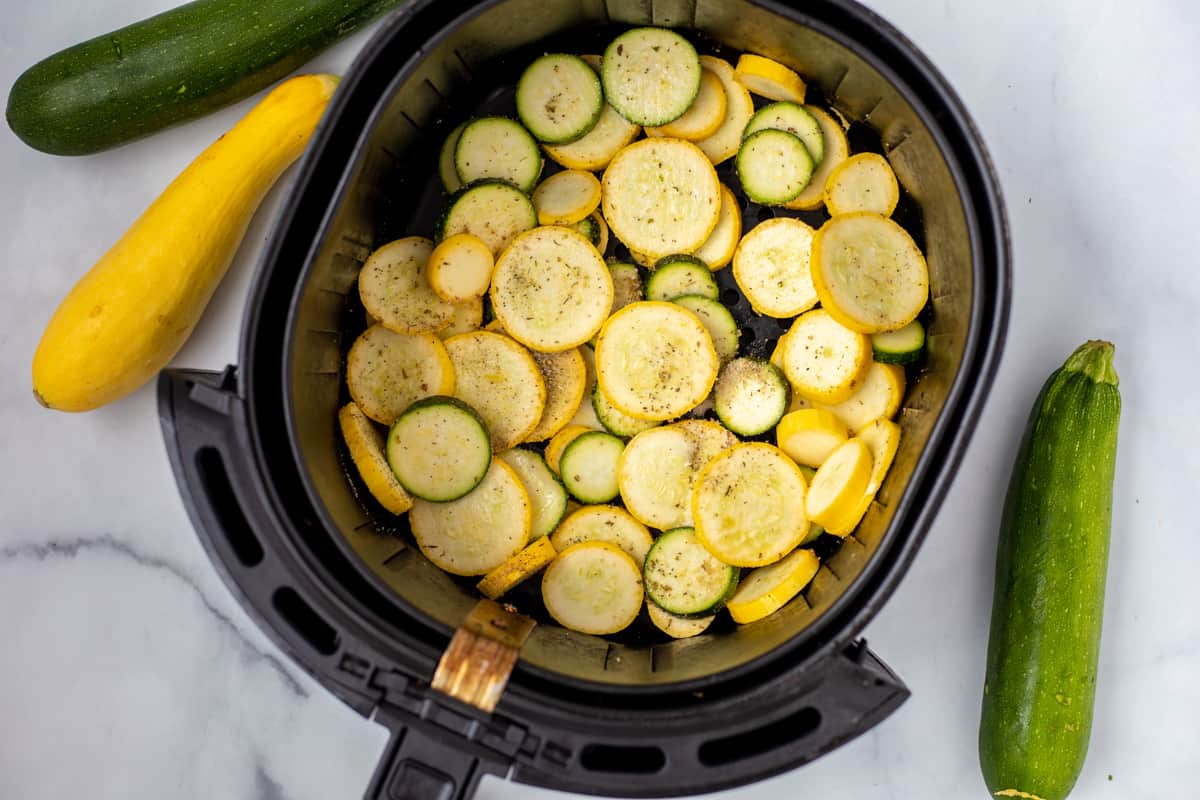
(301, 617)
(747, 744)
(224, 503)
(618, 758)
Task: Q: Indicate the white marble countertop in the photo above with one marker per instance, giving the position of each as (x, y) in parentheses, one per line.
(128, 671)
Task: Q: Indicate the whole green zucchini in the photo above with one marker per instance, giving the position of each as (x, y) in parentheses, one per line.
(172, 67)
(1049, 596)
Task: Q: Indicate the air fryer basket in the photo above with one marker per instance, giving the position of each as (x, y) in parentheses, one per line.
(258, 456)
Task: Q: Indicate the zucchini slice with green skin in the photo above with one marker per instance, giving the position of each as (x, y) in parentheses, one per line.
(616, 422)
(588, 467)
(836, 149)
(499, 148)
(675, 626)
(446, 169)
(593, 587)
(1050, 574)
(651, 75)
(547, 496)
(492, 210)
(590, 228)
(739, 107)
(559, 98)
(682, 577)
(439, 449)
(678, 258)
(774, 166)
(678, 278)
(751, 396)
(721, 325)
(479, 531)
(796, 120)
(902, 346)
(605, 524)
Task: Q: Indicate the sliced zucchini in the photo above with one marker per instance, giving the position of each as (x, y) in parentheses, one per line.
(602, 232)
(566, 197)
(593, 587)
(661, 196)
(394, 288)
(559, 98)
(882, 438)
(750, 396)
(559, 441)
(773, 166)
(796, 120)
(716, 318)
(566, 379)
(717, 250)
(739, 107)
(446, 170)
(839, 485)
(491, 210)
(627, 285)
(599, 145)
(651, 75)
(387, 372)
(656, 475)
(499, 379)
(655, 360)
(837, 150)
(439, 449)
(748, 505)
(878, 397)
(590, 230)
(824, 359)
(523, 565)
(586, 415)
(547, 496)
(615, 422)
(367, 452)
(551, 289)
(588, 467)
(815, 532)
(460, 268)
(768, 589)
(468, 317)
(705, 115)
(769, 79)
(677, 258)
(498, 147)
(677, 278)
(868, 272)
(675, 626)
(771, 267)
(902, 346)
(863, 182)
(476, 533)
(809, 435)
(680, 576)
(605, 524)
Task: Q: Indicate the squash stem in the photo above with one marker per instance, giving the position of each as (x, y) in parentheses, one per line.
(1095, 360)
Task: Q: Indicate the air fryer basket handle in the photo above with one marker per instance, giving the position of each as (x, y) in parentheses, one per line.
(421, 765)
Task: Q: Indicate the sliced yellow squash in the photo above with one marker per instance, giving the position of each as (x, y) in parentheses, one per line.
(468, 317)
(717, 250)
(593, 587)
(551, 289)
(586, 414)
(558, 443)
(882, 438)
(566, 197)
(837, 150)
(546, 493)
(500, 380)
(656, 475)
(711, 438)
(810, 435)
(655, 360)
(387, 372)
(748, 506)
(661, 196)
(868, 272)
(675, 626)
(523, 565)
(878, 397)
(863, 182)
(771, 267)
(839, 485)
(705, 115)
(739, 108)
(460, 268)
(566, 377)
(604, 523)
(599, 145)
(769, 79)
(823, 359)
(476, 533)
(366, 451)
(394, 287)
(768, 589)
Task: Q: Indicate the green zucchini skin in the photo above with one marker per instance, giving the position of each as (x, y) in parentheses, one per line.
(172, 67)
(1051, 565)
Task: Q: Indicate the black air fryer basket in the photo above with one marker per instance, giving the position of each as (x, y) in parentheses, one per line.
(261, 467)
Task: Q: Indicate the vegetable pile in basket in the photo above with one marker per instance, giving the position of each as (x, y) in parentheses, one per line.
(566, 435)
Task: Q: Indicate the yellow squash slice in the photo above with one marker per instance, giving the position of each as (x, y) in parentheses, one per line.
(593, 587)
(717, 250)
(558, 443)
(768, 589)
(500, 380)
(656, 475)
(586, 414)
(546, 493)
(599, 145)
(605, 524)
(769, 79)
(566, 197)
(705, 115)
(394, 287)
(675, 626)
(566, 377)
(468, 317)
(366, 451)
(387, 372)
(460, 269)
(823, 359)
(810, 435)
(523, 565)
(882, 438)
(878, 397)
(739, 108)
(837, 150)
(863, 182)
(839, 485)
(771, 266)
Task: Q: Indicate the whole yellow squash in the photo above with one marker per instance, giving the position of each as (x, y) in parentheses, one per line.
(135, 308)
